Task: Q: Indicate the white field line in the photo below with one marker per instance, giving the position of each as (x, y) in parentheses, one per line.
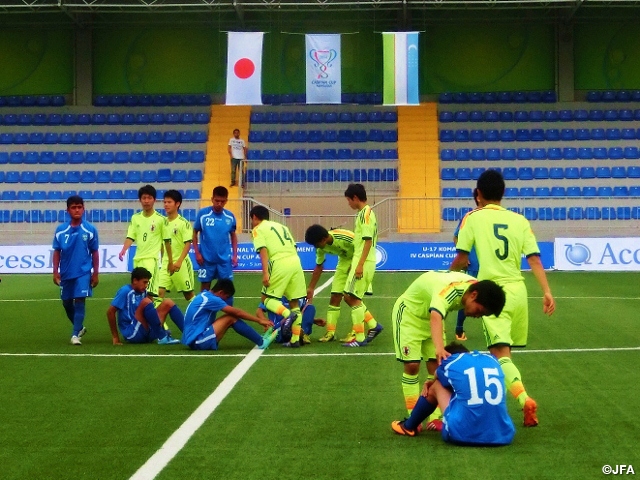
(180, 437)
(298, 354)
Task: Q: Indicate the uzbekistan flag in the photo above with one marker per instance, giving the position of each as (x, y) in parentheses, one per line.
(244, 68)
(400, 56)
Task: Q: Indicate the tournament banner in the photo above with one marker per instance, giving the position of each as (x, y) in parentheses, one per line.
(244, 68)
(390, 256)
(323, 59)
(400, 68)
(39, 259)
(598, 254)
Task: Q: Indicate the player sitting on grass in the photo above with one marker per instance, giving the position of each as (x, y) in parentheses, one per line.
(418, 321)
(308, 321)
(137, 319)
(469, 389)
(203, 331)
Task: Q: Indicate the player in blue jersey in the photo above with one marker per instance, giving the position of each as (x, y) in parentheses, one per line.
(472, 269)
(203, 331)
(469, 389)
(217, 251)
(133, 313)
(75, 264)
(308, 311)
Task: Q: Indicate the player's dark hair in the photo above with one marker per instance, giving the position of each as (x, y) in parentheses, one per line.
(224, 285)
(490, 296)
(315, 234)
(174, 195)
(455, 347)
(148, 190)
(356, 190)
(491, 185)
(140, 273)
(74, 200)
(260, 212)
(236, 130)
(220, 191)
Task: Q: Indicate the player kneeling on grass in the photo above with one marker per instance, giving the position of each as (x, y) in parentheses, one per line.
(137, 318)
(469, 389)
(308, 320)
(418, 318)
(203, 331)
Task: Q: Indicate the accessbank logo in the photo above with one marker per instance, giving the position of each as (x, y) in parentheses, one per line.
(598, 254)
(39, 259)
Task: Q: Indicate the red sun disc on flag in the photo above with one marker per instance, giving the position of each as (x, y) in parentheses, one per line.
(244, 68)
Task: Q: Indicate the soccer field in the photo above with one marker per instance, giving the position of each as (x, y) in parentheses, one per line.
(324, 411)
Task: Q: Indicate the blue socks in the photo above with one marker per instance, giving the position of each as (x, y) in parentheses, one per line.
(151, 316)
(68, 308)
(420, 413)
(78, 316)
(460, 322)
(247, 332)
(177, 317)
(308, 314)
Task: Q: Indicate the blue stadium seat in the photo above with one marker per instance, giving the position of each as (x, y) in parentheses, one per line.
(554, 153)
(345, 153)
(508, 154)
(463, 174)
(446, 135)
(596, 115)
(285, 136)
(134, 176)
(611, 115)
(575, 213)
(506, 135)
(625, 115)
(359, 154)
(634, 191)
(633, 171)
(194, 176)
(389, 175)
(530, 213)
(511, 192)
(552, 134)
(615, 153)
(612, 134)
(526, 192)
(620, 191)
(537, 135)
(510, 173)
(16, 158)
(523, 154)
(446, 116)
(476, 172)
(463, 154)
(390, 154)
(623, 213)
(592, 213)
(284, 154)
(448, 174)
(560, 213)
(27, 176)
(465, 193)
(269, 154)
(478, 154)
(587, 172)
(573, 191)
(608, 213)
(315, 154)
(540, 173)
(572, 173)
(103, 176)
(525, 173)
(523, 135)
(604, 191)
(631, 153)
(589, 191)
(450, 214)
(539, 154)
(119, 176)
(331, 136)
(9, 195)
(374, 154)
(286, 118)
(628, 134)
(375, 135)
(506, 116)
(492, 135)
(635, 212)
(493, 154)
(448, 192)
(542, 192)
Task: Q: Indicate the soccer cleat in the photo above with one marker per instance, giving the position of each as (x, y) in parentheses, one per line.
(355, 343)
(530, 409)
(351, 336)
(286, 324)
(291, 345)
(435, 425)
(75, 340)
(461, 337)
(305, 340)
(267, 338)
(168, 340)
(398, 427)
(373, 333)
(82, 332)
(328, 337)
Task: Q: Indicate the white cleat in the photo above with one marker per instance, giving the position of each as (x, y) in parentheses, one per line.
(75, 340)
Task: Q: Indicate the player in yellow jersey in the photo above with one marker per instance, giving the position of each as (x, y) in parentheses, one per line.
(500, 238)
(337, 242)
(282, 273)
(146, 230)
(177, 269)
(363, 265)
(418, 320)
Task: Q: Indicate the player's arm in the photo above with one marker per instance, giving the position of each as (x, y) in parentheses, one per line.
(169, 253)
(436, 322)
(315, 276)
(111, 317)
(183, 255)
(234, 249)
(56, 267)
(264, 259)
(196, 248)
(548, 302)
(229, 150)
(365, 253)
(127, 244)
(95, 261)
(236, 312)
(461, 262)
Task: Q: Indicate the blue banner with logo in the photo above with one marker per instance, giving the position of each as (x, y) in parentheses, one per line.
(390, 256)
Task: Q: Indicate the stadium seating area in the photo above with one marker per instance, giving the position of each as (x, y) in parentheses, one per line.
(32, 101)
(560, 158)
(326, 145)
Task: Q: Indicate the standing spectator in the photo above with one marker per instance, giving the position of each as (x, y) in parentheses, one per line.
(237, 152)
(75, 264)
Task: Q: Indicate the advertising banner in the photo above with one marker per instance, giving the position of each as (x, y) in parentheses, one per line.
(598, 254)
(39, 259)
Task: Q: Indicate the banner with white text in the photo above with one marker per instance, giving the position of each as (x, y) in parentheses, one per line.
(323, 59)
(598, 254)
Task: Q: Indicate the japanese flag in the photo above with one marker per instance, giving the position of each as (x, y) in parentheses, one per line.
(244, 68)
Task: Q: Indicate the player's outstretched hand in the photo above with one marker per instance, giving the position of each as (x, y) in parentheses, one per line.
(94, 280)
(548, 304)
(116, 341)
(265, 279)
(234, 261)
(442, 355)
(266, 323)
(310, 295)
(121, 255)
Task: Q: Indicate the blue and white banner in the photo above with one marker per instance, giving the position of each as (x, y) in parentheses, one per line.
(400, 68)
(39, 259)
(323, 59)
(598, 254)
